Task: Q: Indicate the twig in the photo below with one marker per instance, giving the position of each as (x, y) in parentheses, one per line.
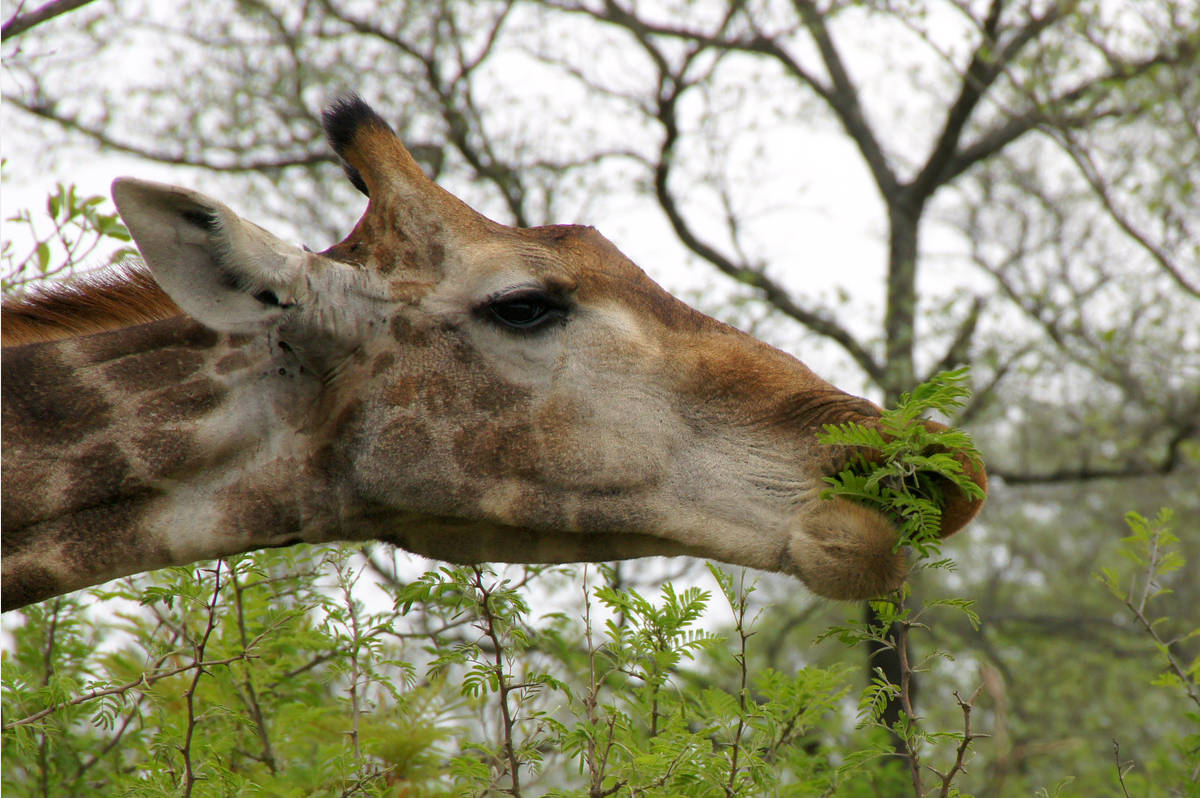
(505, 687)
(189, 696)
(19, 23)
(1138, 608)
(248, 693)
(133, 713)
(1121, 770)
(47, 672)
(906, 696)
(740, 625)
(141, 681)
(346, 580)
(964, 745)
(595, 765)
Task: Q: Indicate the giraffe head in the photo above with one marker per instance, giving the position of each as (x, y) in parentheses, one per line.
(472, 391)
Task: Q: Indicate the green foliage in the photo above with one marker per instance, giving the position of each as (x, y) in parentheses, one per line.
(1152, 553)
(269, 674)
(73, 230)
(904, 475)
(909, 465)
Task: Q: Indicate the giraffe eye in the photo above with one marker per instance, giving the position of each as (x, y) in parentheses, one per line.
(526, 311)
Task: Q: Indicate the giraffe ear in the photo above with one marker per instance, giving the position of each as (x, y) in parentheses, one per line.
(223, 271)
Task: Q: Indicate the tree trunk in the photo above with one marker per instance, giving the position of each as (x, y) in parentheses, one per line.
(899, 376)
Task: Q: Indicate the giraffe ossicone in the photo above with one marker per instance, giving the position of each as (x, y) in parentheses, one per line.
(463, 389)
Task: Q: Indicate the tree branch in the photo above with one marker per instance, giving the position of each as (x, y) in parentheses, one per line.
(844, 100)
(142, 681)
(1015, 126)
(986, 65)
(105, 140)
(771, 291)
(1170, 462)
(1091, 173)
(958, 352)
(18, 23)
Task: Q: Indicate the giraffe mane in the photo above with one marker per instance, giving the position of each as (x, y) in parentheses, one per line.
(106, 300)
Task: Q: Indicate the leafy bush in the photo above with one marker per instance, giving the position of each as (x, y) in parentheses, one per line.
(1151, 553)
(272, 673)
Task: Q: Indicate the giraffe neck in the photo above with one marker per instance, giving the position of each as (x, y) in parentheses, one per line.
(142, 448)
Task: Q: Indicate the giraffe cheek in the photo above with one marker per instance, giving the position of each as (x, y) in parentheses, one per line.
(498, 450)
(590, 448)
(403, 465)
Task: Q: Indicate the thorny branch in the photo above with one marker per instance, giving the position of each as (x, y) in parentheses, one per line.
(739, 616)
(1121, 769)
(247, 691)
(912, 756)
(143, 681)
(964, 745)
(596, 763)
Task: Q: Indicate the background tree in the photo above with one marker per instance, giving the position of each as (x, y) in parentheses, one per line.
(1020, 180)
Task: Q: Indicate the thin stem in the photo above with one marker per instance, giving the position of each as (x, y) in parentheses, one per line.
(1165, 646)
(346, 582)
(906, 704)
(47, 672)
(248, 693)
(964, 744)
(1121, 769)
(493, 634)
(740, 625)
(190, 695)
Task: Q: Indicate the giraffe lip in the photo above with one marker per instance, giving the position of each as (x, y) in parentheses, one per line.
(845, 551)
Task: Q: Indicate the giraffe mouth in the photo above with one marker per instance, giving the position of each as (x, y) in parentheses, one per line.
(956, 506)
(845, 551)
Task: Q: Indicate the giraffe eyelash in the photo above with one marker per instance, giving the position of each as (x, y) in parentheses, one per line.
(524, 310)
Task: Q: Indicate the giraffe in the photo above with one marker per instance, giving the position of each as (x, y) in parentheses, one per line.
(465, 390)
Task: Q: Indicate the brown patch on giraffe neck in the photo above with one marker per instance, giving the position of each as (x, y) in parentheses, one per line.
(87, 304)
(157, 367)
(178, 333)
(93, 422)
(101, 474)
(45, 402)
(183, 402)
(99, 542)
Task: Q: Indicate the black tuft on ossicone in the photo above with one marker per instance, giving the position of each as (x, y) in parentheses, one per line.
(344, 117)
(341, 121)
